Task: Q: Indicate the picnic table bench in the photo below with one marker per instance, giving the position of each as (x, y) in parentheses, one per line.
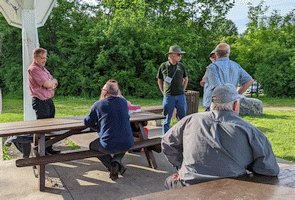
(59, 128)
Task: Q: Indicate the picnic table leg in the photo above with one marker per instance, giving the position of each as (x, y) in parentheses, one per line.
(41, 168)
(149, 154)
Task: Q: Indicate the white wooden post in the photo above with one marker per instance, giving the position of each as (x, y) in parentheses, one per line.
(30, 42)
(27, 15)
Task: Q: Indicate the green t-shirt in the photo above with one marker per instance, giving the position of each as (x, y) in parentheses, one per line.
(177, 73)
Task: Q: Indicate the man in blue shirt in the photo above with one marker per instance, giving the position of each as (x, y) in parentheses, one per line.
(217, 144)
(111, 116)
(222, 71)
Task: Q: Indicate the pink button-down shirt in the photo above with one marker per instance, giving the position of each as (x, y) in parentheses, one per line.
(37, 76)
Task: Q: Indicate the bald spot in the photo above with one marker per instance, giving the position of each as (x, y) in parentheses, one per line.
(222, 50)
(112, 88)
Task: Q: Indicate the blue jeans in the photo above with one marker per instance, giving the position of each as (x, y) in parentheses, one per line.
(169, 103)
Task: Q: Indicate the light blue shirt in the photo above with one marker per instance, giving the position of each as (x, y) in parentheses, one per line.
(223, 71)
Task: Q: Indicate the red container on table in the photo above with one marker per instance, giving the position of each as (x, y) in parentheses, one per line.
(134, 108)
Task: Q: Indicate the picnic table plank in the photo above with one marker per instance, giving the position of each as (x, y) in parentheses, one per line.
(36, 123)
(42, 129)
(72, 125)
(134, 117)
(82, 154)
(145, 116)
(224, 189)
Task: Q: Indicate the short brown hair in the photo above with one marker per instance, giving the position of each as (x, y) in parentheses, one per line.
(38, 51)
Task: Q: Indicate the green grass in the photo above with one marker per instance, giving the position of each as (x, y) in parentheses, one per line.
(12, 107)
(72, 145)
(5, 152)
(277, 125)
(276, 101)
(145, 102)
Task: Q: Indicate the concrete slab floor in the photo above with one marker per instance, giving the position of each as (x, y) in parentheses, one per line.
(85, 179)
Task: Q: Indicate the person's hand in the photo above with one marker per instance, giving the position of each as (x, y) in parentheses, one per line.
(129, 103)
(52, 88)
(176, 177)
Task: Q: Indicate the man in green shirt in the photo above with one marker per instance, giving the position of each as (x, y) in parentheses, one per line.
(172, 81)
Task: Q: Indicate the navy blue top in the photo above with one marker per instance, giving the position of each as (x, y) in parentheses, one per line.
(113, 126)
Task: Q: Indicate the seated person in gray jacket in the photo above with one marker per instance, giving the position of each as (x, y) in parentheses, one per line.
(217, 144)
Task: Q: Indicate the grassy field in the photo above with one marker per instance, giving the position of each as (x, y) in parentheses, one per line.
(65, 106)
(277, 122)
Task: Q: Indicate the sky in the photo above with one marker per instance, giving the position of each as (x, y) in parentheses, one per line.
(238, 14)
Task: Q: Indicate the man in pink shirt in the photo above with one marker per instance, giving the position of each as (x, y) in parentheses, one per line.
(42, 85)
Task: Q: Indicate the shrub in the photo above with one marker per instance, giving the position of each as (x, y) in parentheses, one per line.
(276, 72)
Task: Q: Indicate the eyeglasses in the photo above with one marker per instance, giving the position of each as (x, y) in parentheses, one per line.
(42, 58)
(113, 81)
(178, 54)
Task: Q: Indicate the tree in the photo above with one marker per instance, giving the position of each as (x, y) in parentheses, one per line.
(125, 40)
(139, 34)
(10, 58)
(265, 49)
(276, 71)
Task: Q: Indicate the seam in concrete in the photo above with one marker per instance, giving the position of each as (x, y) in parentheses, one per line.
(63, 183)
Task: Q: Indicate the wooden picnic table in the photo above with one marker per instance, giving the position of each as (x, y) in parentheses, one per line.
(244, 187)
(59, 128)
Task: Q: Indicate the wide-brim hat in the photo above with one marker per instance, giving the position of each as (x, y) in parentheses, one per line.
(175, 49)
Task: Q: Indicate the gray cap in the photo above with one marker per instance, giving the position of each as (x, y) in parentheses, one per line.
(225, 93)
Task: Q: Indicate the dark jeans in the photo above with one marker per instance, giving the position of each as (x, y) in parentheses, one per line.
(170, 183)
(43, 108)
(107, 159)
(24, 148)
